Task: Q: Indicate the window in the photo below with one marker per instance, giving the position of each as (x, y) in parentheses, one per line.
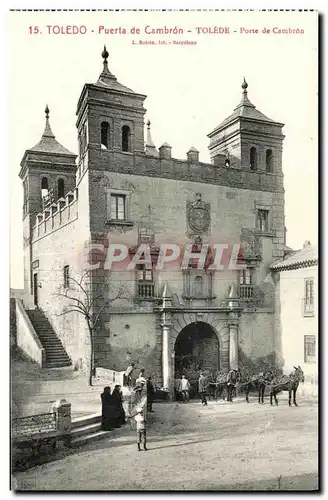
(145, 274)
(104, 135)
(44, 187)
(263, 220)
(118, 207)
(269, 160)
(245, 276)
(309, 292)
(25, 195)
(61, 188)
(309, 348)
(309, 297)
(145, 282)
(245, 284)
(83, 140)
(126, 138)
(66, 276)
(253, 158)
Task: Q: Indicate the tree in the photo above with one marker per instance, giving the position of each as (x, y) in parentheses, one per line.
(85, 303)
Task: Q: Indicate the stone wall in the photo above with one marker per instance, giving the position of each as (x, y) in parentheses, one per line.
(257, 337)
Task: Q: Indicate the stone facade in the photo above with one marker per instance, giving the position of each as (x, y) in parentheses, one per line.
(162, 198)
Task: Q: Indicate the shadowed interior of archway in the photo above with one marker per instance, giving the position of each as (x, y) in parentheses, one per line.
(196, 348)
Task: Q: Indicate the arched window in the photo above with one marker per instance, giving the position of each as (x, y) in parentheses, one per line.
(253, 158)
(44, 187)
(104, 135)
(126, 138)
(269, 160)
(61, 188)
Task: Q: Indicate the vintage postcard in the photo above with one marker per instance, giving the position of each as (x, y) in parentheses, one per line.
(163, 173)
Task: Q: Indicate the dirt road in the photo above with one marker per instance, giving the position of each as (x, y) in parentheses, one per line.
(219, 447)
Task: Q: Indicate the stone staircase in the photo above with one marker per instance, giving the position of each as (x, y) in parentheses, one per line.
(86, 430)
(56, 356)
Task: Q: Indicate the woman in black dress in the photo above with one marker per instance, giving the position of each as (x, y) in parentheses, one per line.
(107, 410)
(118, 402)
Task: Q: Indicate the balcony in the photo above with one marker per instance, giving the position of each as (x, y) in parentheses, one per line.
(246, 292)
(308, 308)
(145, 290)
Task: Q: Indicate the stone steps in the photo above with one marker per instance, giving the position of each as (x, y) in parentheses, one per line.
(56, 356)
(86, 430)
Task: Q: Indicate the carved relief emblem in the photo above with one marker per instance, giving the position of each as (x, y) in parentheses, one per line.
(198, 215)
(250, 245)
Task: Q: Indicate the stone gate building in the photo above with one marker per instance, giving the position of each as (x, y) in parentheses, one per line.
(121, 189)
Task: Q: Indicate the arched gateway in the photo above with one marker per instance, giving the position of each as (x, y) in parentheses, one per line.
(205, 339)
(197, 347)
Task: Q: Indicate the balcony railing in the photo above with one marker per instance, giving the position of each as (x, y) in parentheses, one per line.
(308, 308)
(145, 290)
(246, 292)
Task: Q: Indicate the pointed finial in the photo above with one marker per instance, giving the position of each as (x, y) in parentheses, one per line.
(105, 54)
(47, 111)
(244, 86)
(150, 147)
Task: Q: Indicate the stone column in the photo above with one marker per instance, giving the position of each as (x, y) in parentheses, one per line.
(233, 346)
(166, 358)
(62, 410)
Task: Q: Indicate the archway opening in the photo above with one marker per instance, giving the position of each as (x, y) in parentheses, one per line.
(196, 348)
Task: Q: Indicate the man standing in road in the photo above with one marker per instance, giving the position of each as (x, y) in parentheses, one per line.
(184, 388)
(202, 388)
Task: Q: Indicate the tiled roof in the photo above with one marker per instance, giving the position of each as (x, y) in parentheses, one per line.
(245, 109)
(109, 81)
(306, 257)
(48, 143)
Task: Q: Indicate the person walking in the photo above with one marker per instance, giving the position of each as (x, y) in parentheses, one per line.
(177, 383)
(141, 430)
(184, 388)
(202, 388)
(150, 395)
(127, 376)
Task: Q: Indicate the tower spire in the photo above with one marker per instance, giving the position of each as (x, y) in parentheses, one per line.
(150, 146)
(105, 55)
(47, 129)
(244, 98)
(105, 76)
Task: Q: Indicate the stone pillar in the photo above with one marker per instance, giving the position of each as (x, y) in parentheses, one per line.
(166, 358)
(62, 410)
(233, 346)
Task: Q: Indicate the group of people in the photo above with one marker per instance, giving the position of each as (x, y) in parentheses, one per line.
(112, 411)
(140, 384)
(182, 389)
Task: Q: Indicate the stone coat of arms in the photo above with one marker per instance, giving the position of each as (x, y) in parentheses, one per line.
(198, 215)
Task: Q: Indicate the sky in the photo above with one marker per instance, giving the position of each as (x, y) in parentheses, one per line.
(190, 90)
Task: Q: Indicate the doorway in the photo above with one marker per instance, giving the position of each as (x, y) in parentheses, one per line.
(35, 289)
(196, 348)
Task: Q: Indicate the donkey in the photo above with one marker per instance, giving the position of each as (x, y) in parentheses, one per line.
(288, 383)
(218, 386)
(258, 381)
